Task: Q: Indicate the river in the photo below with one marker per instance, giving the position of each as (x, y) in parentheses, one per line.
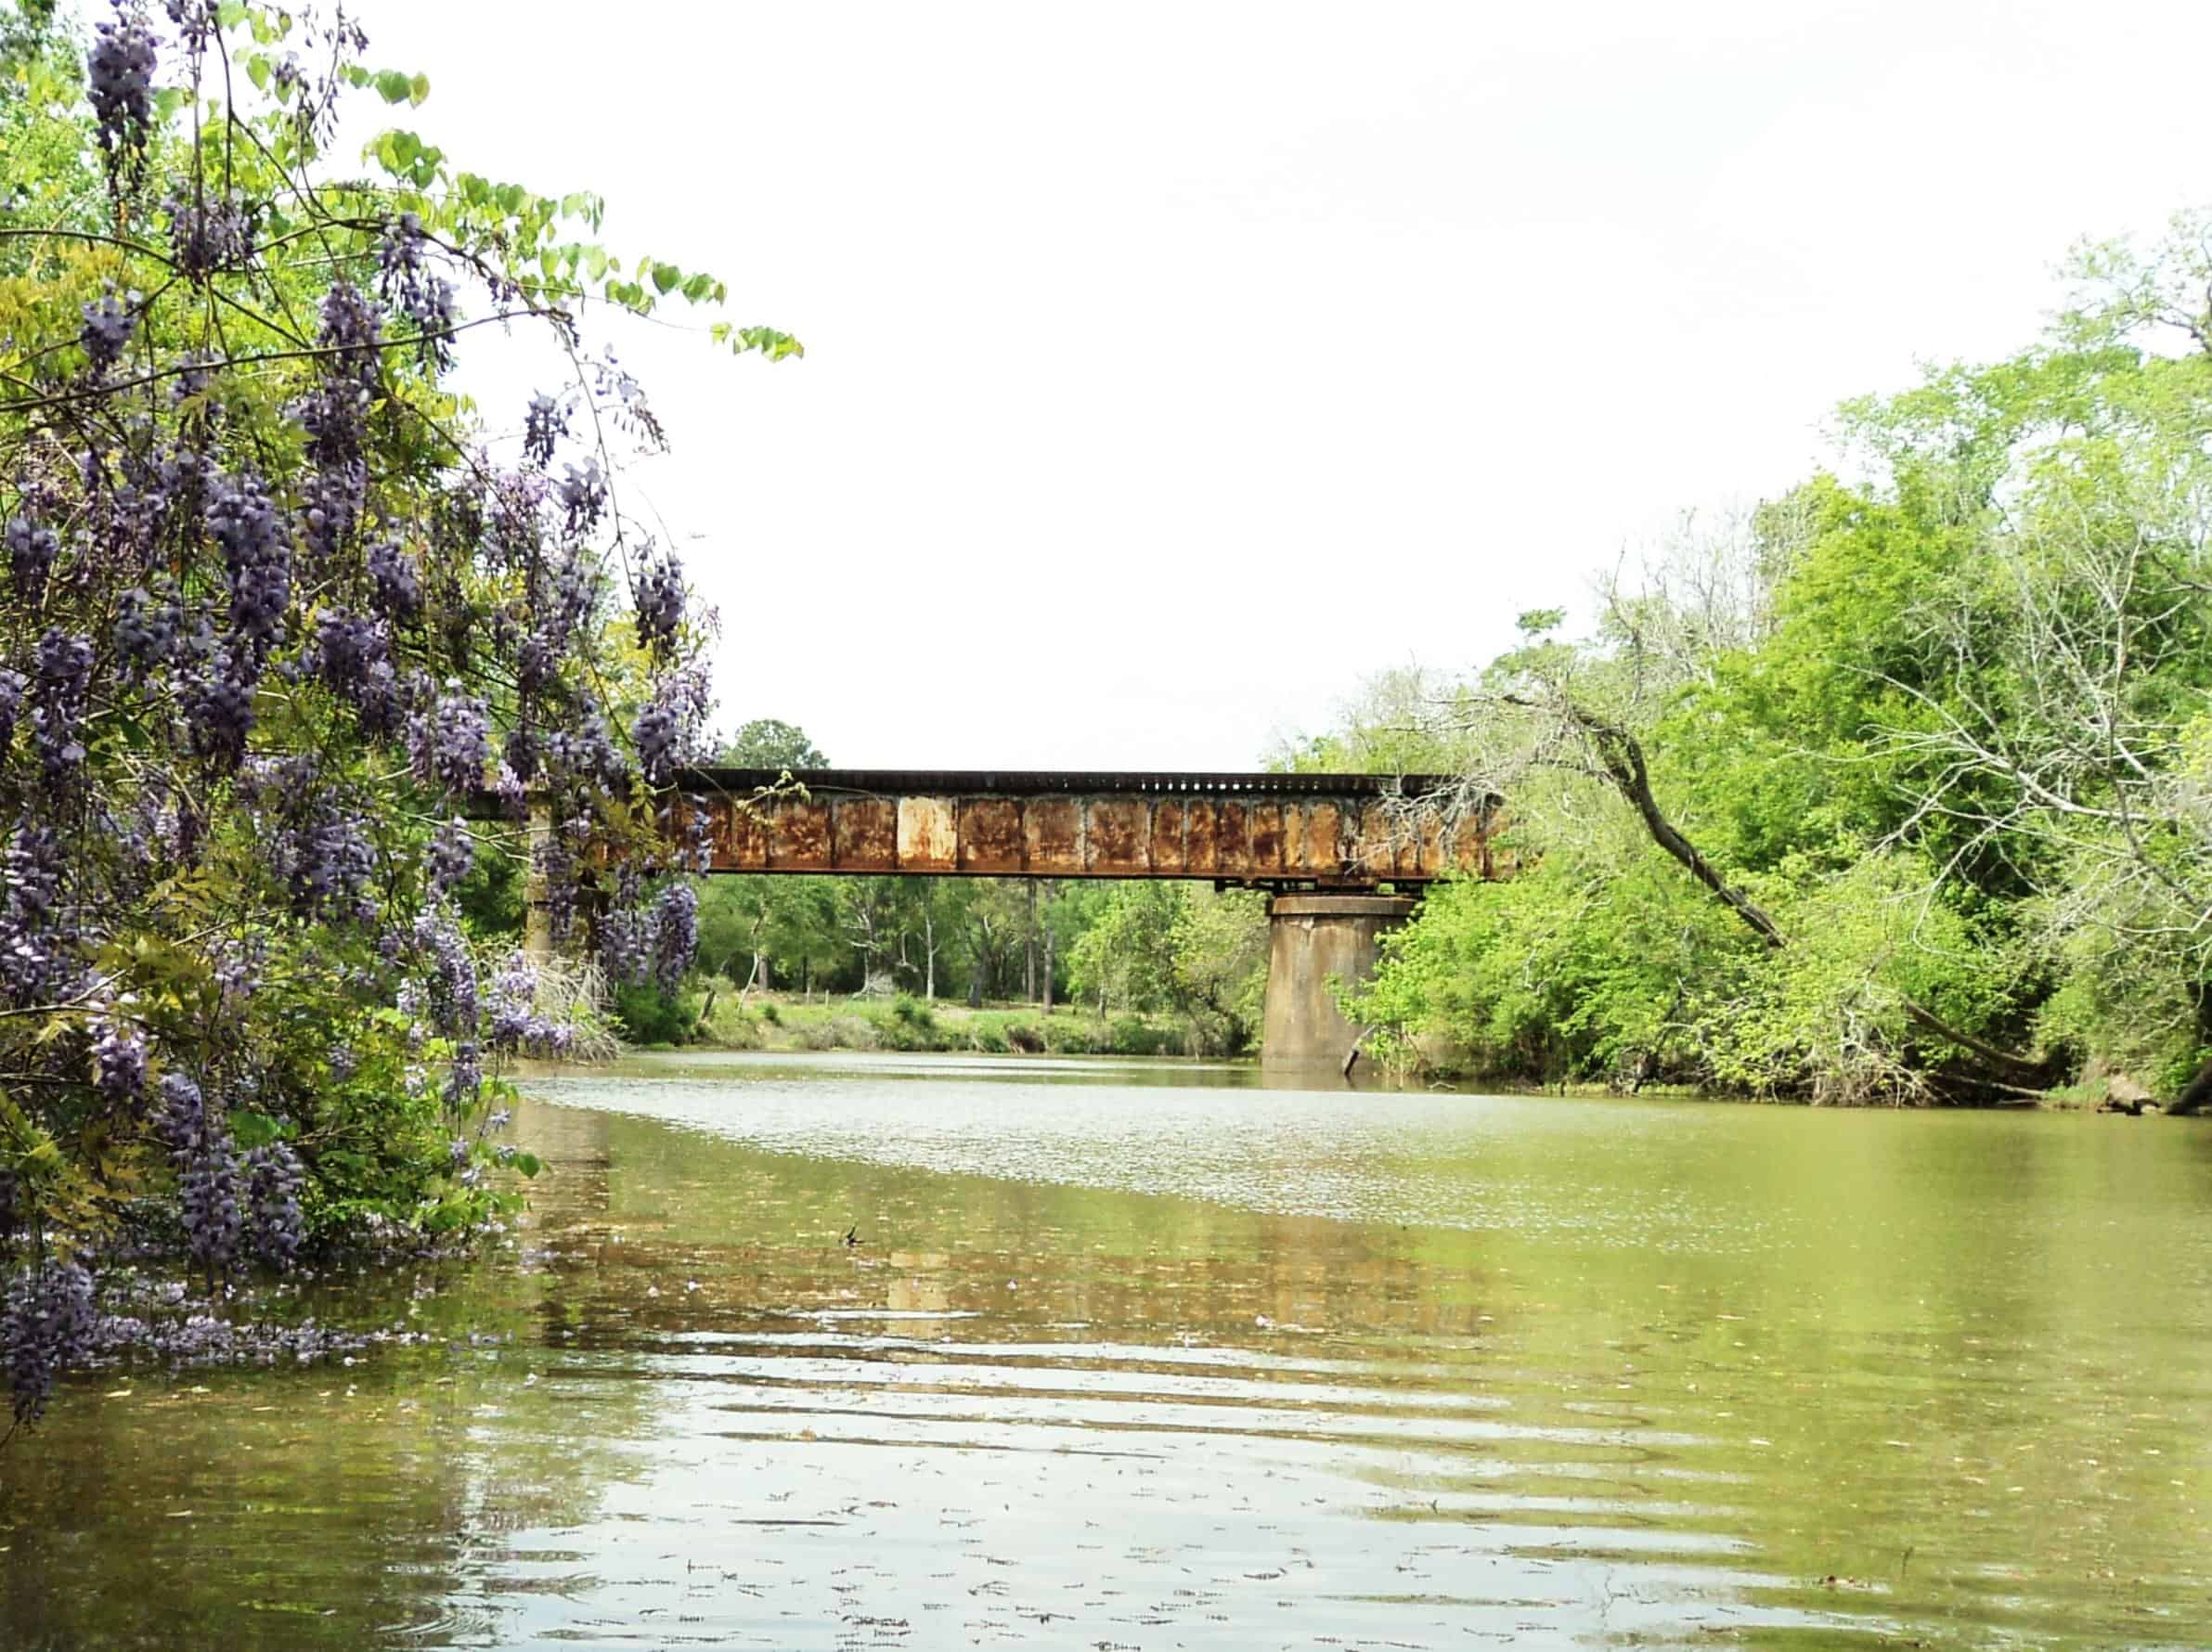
(1148, 1356)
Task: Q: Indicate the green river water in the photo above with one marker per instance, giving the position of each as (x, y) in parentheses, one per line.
(1151, 1357)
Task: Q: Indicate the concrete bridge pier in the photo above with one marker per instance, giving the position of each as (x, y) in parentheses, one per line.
(1311, 938)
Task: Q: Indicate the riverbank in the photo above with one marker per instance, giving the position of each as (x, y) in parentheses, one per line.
(786, 1022)
(2096, 1093)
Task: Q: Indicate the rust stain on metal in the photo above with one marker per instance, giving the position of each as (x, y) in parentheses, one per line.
(1233, 841)
(1117, 835)
(1324, 855)
(1169, 858)
(1374, 846)
(1429, 860)
(1053, 836)
(746, 837)
(1198, 847)
(928, 839)
(1294, 838)
(992, 839)
(1263, 822)
(1406, 844)
(1262, 829)
(864, 835)
(800, 834)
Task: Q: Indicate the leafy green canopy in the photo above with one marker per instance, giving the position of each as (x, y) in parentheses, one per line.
(1938, 739)
(1182, 948)
(285, 642)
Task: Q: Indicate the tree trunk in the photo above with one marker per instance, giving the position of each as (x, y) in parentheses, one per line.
(1029, 948)
(929, 954)
(980, 959)
(2196, 1095)
(1622, 756)
(1048, 947)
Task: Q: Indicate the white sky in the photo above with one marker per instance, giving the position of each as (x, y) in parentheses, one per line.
(1170, 368)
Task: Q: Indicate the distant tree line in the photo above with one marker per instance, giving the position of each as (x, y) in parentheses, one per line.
(1117, 947)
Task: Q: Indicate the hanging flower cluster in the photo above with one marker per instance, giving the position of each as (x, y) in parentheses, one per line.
(286, 652)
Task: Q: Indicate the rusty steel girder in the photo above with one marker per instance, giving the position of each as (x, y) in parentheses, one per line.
(1275, 831)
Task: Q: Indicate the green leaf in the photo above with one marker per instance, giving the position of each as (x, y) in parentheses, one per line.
(393, 86)
(528, 1163)
(667, 277)
(761, 341)
(250, 1131)
(417, 89)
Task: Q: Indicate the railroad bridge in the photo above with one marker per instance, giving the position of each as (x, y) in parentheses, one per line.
(1343, 857)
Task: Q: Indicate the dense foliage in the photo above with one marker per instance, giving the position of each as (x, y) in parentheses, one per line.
(287, 637)
(1899, 787)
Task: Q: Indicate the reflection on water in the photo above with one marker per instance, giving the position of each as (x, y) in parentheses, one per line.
(1148, 1356)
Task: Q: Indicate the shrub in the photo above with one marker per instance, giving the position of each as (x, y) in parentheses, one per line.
(730, 1024)
(1074, 1036)
(1131, 1035)
(854, 1032)
(894, 1034)
(650, 1016)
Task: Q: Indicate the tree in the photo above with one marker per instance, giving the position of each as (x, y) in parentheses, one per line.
(995, 931)
(279, 628)
(1392, 726)
(1933, 745)
(2068, 727)
(1219, 942)
(1161, 946)
(1561, 729)
(766, 743)
(874, 912)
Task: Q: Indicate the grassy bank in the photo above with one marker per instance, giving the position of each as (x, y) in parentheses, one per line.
(778, 1021)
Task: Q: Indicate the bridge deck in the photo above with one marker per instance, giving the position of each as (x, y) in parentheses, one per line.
(1322, 831)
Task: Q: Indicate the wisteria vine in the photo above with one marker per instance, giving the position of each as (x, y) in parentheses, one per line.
(288, 651)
